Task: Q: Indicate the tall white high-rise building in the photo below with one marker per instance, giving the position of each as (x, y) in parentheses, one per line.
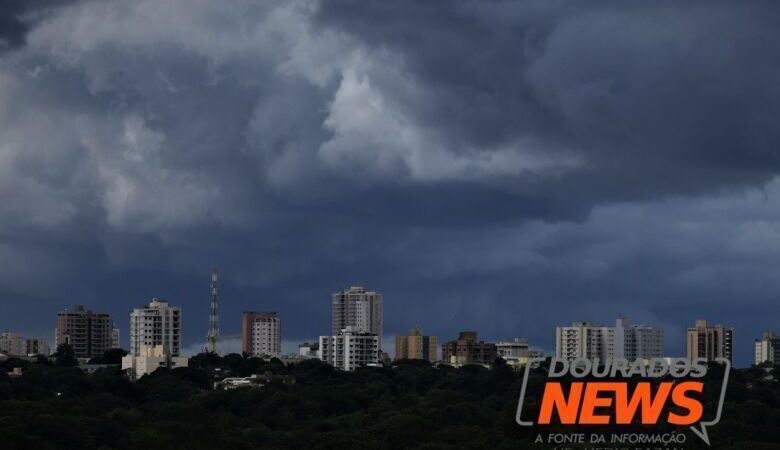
(630, 342)
(349, 349)
(357, 308)
(156, 324)
(261, 334)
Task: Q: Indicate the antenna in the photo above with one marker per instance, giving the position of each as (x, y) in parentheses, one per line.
(213, 335)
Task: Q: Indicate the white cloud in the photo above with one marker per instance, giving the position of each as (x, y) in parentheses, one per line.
(375, 132)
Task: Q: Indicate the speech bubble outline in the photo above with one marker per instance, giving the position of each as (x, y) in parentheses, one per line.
(701, 433)
(521, 399)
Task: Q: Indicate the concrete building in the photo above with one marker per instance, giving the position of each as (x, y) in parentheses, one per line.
(116, 341)
(261, 334)
(709, 342)
(768, 349)
(17, 345)
(355, 307)
(467, 350)
(157, 324)
(149, 359)
(36, 346)
(308, 351)
(630, 342)
(349, 349)
(88, 333)
(517, 352)
(637, 342)
(416, 346)
(12, 344)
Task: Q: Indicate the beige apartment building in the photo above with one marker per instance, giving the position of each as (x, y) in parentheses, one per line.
(89, 333)
(261, 334)
(416, 346)
(149, 359)
(709, 342)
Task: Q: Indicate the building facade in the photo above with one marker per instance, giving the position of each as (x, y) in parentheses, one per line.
(156, 324)
(149, 359)
(709, 342)
(349, 349)
(623, 341)
(416, 346)
(88, 333)
(36, 346)
(468, 350)
(17, 345)
(116, 341)
(357, 308)
(261, 334)
(517, 352)
(12, 344)
(768, 349)
(308, 351)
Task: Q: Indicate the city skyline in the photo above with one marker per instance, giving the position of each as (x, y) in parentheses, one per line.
(499, 166)
(646, 342)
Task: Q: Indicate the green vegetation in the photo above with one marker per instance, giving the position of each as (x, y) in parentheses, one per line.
(411, 405)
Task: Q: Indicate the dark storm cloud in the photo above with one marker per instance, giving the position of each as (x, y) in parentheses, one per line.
(502, 166)
(657, 99)
(17, 16)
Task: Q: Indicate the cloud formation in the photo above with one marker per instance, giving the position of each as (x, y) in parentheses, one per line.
(501, 166)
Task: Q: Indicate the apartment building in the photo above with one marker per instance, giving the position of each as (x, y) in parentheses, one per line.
(17, 345)
(768, 349)
(156, 324)
(88, 333)
(625, 341)
(416, 346)
(349, 349)
(468, 350)
(261, 334)
(357, 308)
(709, 342)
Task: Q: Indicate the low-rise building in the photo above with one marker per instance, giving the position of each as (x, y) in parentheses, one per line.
(768, 349)
(149, 359)
(307, 350)
(468, 350)
(517, 352)
(350, 349)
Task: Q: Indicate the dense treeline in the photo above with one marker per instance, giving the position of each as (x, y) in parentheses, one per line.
(411, 405)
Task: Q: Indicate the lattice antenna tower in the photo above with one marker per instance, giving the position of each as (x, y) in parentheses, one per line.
(213, 335)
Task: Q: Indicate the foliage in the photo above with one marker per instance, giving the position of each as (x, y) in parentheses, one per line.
(411, 405)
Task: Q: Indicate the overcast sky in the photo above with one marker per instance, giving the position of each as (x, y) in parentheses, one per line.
(501, 166)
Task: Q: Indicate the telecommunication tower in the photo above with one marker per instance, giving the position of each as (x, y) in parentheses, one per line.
(213, 335)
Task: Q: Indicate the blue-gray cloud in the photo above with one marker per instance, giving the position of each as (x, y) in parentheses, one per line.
(502, 166)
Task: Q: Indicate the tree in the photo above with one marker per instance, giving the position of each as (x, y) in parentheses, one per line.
(113, 356)
(65, 357)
